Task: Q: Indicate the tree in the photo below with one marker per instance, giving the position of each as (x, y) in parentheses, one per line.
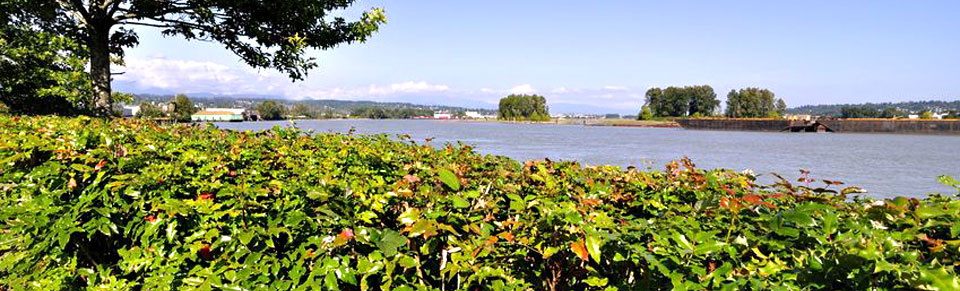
(265, 34)
(303, 110)
(781, 107)
(183, 108)
(42, 73)
(926, 115)
(645, 113)
(150, 110)
(752, 103)
(271, 110)
(655, 101)
(703, 101)
(524, 107)
(682, 101)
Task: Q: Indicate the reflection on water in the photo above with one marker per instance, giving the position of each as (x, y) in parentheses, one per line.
(884, 164)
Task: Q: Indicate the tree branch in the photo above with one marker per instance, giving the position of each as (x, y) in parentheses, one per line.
(78, 6)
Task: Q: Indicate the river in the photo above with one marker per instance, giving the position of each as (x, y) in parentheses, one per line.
(884, 164)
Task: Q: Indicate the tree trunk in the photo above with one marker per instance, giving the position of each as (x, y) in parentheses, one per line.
(99, 46)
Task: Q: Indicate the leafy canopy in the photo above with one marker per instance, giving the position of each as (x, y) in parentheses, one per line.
(524, 107)
(274, 34)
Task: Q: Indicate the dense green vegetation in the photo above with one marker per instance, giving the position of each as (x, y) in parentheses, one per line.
(182, 108)
(130, 205)
(645, 113)
(271, 110)
(867, 112)
(264, 34)
(682, 101)
(524, 107)
(376, 112)
(836, 110)
(754, 103)
(42, 73)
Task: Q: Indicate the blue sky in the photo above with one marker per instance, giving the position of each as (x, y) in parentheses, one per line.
(598, 55)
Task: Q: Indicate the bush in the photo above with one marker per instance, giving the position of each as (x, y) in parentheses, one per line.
(127, 204)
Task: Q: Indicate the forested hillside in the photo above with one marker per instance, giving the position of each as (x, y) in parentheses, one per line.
(912, 106)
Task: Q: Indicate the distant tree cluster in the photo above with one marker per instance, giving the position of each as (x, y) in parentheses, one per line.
(524, 107)
(379, 112)
(150, 110)
(183, 108)
(869, 112)
(682, 101)
(271, 110)
(754, 103)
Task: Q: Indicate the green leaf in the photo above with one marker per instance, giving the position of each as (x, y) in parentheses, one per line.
(593, 246)
(449, 179)
(709, 247)
(682, 241)
(596, 282)
(459, 202)
(390, 241)
(930, 212)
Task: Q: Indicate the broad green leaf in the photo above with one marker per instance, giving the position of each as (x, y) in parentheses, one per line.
(450, 179)
(593, 244)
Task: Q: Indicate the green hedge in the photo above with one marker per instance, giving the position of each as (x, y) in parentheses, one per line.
(125, 204)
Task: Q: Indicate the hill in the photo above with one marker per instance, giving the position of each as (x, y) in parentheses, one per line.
(337, 105)
(911, 106)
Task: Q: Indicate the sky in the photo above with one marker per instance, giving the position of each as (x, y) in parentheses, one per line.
(596, 56)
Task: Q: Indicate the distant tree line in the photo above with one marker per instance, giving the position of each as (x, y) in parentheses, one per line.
(869, 112)
(524, 107)
(701, 101)
(753, 103)
(836, 110)
(682, 101)
(378, 112)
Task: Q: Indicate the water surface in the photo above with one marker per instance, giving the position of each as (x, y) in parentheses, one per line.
(884, 164)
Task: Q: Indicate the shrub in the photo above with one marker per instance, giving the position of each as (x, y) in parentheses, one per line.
(127, 204)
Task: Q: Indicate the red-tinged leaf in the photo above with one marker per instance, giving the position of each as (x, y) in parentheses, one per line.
(591, 202)
(580, 249)
(100, 165)
(411, 179)
(507, 236)
(205, 252)
(151, 218)
(205, 196)
(344, 237)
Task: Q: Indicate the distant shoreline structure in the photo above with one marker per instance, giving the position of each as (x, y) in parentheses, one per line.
(866, 125)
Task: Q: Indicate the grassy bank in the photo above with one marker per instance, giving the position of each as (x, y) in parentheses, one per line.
(129, 205)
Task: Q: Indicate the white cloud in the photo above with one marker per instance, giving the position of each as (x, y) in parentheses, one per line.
(161, 74)
(615, 88)
(169, 74)
(523, 89)
(417, 87)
